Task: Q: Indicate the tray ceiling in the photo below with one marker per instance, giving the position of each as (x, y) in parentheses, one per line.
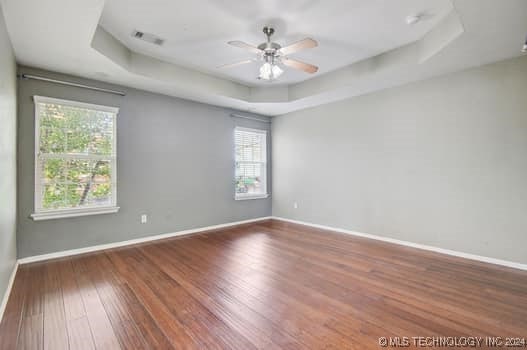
(365, 45)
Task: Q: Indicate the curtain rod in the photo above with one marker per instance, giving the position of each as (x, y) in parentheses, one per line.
(249, 117)
(68, 83)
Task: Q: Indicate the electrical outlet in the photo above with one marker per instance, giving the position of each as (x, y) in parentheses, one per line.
(144, 219)
(295, 205)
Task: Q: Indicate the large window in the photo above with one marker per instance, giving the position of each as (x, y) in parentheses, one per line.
(75, 159)
(251, 163)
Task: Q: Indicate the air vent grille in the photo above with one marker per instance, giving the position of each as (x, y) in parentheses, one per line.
(149, 38)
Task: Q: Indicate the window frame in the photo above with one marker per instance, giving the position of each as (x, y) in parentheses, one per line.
(265, 194)
(46, 214)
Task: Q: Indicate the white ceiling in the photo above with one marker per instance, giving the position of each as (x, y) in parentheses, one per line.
(365, 45)
(196, 32)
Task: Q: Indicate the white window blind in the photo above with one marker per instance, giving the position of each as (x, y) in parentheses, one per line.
(75, 158)
(251, 163)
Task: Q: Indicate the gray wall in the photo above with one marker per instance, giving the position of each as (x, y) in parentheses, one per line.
(441, 162)
(175, 163)
(7, 158)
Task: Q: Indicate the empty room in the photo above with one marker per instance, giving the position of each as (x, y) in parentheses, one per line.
(228, 174)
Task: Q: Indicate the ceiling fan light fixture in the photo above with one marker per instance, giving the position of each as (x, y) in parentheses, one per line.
(277, 71)
(265, 71)
(270, 71)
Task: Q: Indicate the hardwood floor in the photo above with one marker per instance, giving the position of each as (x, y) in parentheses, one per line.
(269, 285)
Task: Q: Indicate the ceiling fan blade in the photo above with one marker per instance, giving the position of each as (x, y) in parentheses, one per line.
(306, 67)
(230, 65)
(306, 43)
(245, 46)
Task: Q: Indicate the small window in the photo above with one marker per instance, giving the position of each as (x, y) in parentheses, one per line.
(251, 163)
(75, 159)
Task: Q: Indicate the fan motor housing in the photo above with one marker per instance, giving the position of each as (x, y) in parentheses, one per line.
(269, 47)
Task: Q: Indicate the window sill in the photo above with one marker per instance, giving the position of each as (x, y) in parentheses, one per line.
(255, 196)
(61, 214)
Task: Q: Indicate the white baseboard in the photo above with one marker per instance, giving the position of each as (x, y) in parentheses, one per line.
(134, 241)
(8, 291)
(71, 252)
(411, 244)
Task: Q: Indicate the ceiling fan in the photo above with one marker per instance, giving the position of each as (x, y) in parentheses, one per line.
(273, 55)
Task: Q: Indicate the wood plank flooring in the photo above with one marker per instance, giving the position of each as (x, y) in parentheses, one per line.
(270, 285)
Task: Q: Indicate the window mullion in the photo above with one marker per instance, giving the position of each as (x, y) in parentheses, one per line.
(75, 156)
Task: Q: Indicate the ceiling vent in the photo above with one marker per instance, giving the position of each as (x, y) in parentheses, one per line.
(149, 38)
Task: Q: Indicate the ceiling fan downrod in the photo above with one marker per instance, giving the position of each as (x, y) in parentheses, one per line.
(268, 31)
(269, 48)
